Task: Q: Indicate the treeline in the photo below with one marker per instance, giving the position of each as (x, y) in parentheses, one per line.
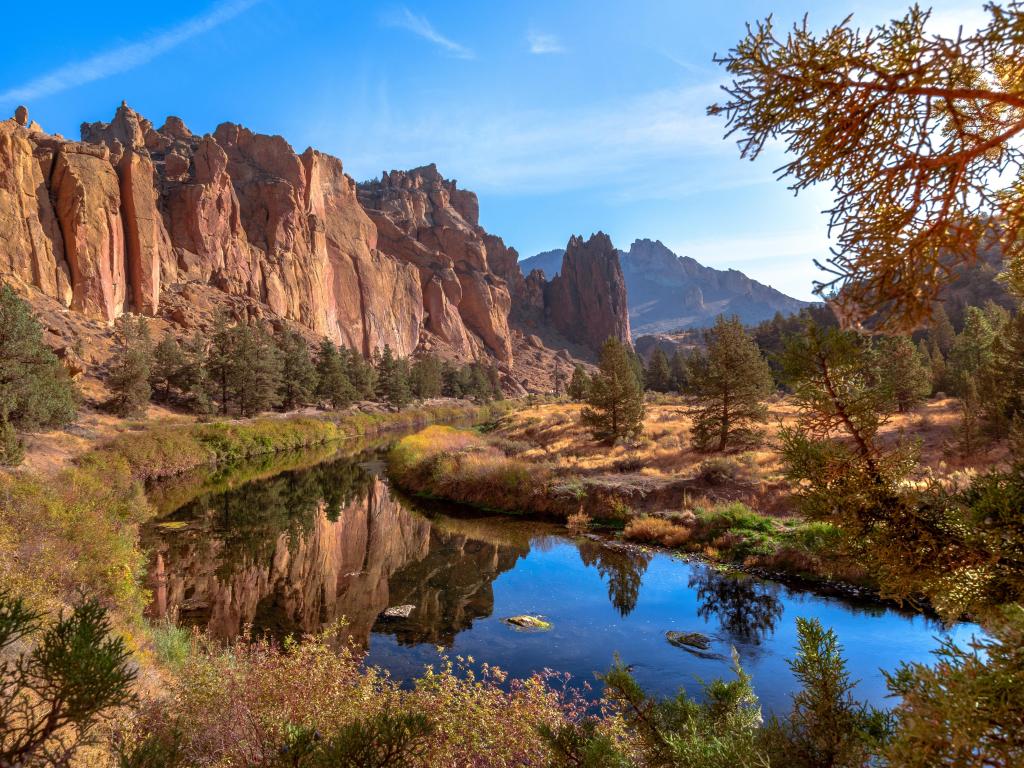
(237, 370)
(730, 377)
(244, 370)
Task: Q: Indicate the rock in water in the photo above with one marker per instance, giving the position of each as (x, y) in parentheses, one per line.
(526, 621)
(688, 640)
(398, 611)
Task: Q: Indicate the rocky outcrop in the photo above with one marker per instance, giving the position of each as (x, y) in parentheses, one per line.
(425, 220)
(586, 301)
(164, 222)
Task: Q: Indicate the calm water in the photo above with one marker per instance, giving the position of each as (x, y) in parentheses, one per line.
(297, 551)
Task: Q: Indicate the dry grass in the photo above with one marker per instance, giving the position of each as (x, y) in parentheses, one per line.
(553, 433)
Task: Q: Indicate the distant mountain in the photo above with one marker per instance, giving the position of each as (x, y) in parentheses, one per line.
(667, 292)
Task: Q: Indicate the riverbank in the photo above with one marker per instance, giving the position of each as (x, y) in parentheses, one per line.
(470, 468)
(74, 533)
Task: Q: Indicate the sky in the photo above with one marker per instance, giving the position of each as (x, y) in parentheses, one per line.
(565, 116)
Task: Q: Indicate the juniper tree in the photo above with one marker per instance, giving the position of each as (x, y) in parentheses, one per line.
(392, 378)
(904, 372)
(941, 331)
(130, 372)
(579, 384)
(298, 374)
(728, 384)
(220, 361)
(55, 693)
(658, 376)
(917, 134)
(35, 389)
(1002, 379)
(827, 726)
(615, 400)
(193, 377)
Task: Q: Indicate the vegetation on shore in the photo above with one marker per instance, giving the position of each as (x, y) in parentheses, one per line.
(76, 533)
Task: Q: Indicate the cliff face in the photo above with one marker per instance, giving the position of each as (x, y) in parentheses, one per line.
(584, 303)
(109, 224)
(166, 223)
(425, 220)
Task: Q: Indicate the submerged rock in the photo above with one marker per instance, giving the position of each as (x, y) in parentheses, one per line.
(687, 640)
(398, 611)
(526, 621)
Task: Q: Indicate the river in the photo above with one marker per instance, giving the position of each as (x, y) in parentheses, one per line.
(262, 551)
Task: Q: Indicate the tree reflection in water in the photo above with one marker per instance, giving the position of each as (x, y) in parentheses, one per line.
(623, 569)
(746, 608)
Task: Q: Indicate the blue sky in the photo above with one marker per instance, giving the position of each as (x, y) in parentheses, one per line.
(565, 117)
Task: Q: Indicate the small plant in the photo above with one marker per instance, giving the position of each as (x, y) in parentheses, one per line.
(578, 522)
(54, 695)
(719, 470)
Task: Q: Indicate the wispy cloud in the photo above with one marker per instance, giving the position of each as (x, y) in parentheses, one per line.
(421, 26)
(125, 57)
(543, 150)
(542, 42)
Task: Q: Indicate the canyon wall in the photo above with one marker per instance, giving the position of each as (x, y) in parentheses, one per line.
(170, 224)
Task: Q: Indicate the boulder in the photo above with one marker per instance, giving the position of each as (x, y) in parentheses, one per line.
(529, 622)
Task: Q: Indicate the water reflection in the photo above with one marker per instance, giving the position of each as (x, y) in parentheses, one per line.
(291, 553)
(746, 608)
(296, 552)
(621, 567)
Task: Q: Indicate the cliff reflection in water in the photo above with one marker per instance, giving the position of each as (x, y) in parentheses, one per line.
(297, 552)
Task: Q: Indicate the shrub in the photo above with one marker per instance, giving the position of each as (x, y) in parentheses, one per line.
(719, 470)
(656, 530)
(54, 695)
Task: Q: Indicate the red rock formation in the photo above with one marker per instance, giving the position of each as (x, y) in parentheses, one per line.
(425, 220)
(586, 301)
(163, 222)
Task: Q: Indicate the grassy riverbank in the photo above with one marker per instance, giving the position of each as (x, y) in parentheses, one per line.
(477, 469)
(75, 533)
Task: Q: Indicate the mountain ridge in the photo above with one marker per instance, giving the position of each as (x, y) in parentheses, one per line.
(668, 292)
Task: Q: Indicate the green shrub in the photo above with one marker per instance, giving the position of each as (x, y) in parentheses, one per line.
(54, 695)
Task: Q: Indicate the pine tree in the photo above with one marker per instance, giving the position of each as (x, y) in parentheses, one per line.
(615, 400)
(193, 377)
(658, 376)
(392, 379)
(452, 382)
(361, 372)
(939, 374)
(255, 376)
(129, 375)
(168, 366)
(679, 367)
(579, 385)
(1001, 382)
(971, 351)
(333, 384)
(941, 334)
(904, 372)
(35, 389)
(220, 361)
(298, 374)
(728, 384)
(970, 418)
(425, 379)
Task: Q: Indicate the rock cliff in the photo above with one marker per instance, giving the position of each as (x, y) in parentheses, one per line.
(583, 304)
(174, 225)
